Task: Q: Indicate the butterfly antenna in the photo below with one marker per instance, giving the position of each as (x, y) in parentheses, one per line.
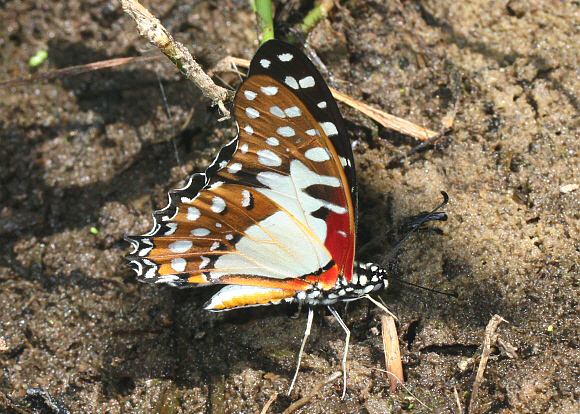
(432, 215)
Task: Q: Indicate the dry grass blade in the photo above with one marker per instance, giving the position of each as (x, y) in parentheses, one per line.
(393, 363)
(387, 120)
(488, 342)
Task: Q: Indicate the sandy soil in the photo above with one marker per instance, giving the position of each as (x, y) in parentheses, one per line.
(96, 151)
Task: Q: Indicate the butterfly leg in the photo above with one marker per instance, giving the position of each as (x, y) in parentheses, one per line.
(339, 319)
(306, 335)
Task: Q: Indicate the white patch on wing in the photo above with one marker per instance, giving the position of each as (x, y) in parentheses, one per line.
(171, 228)
(286, 131)
(272, 142)
(193, 213)
(329, 128)
(290, 81)
(276, 111)
(246, 198)
(178, 264)
(265, 63)
(317, 154)
(288, 192)
(250, 95)
(252, 113)
(200, 232)
(285, 57)
(218, 205)
(293, 112)
(276, 247)
(180, 246)
(269, 158)
(234, 168)
(269, 90)
(306, 82)
(249, 130)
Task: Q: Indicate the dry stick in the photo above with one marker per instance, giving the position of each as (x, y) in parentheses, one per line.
(392, 352)
(150, 27)
(490, 338)
(269, 403)
(459, 406)
(387, 120)
(302, 401)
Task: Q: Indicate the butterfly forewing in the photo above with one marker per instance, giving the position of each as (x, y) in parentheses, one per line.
(275, 209)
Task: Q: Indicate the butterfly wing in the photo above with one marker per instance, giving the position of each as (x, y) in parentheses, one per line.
(273, 214)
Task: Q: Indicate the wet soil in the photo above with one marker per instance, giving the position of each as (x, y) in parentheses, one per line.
(85, 159)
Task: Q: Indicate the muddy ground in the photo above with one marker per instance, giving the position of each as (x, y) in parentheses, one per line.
(85, 159)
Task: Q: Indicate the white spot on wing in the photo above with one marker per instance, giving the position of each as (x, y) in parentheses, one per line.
(171, 228)
(329, 128)
(178, 264)
(218, 205)
(249, 130)
(272, 141)
(234, 168)
(244, 148)
(268, 158)
(252, 113)
(193, 213)
(204, 262)
(200, 232)
(214, 246)
(250, 95)
(276, 111)
(317, 154)
(246, 198)
(306, 82)
(290, 81)
(180, 246)
(286, 131)
(269, 90)
(293, 112)
(285, 57)
(321, 104)
(265, 63)
(311, 132)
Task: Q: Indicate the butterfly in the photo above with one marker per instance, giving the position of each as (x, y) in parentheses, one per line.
(273, 218)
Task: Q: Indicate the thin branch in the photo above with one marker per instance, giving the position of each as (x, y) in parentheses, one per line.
(150, 27)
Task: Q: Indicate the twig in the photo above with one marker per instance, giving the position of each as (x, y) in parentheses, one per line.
(302, 401)
(150, 27)
(489, 340)
(457, 400)
(392, 352)
(269, 403)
